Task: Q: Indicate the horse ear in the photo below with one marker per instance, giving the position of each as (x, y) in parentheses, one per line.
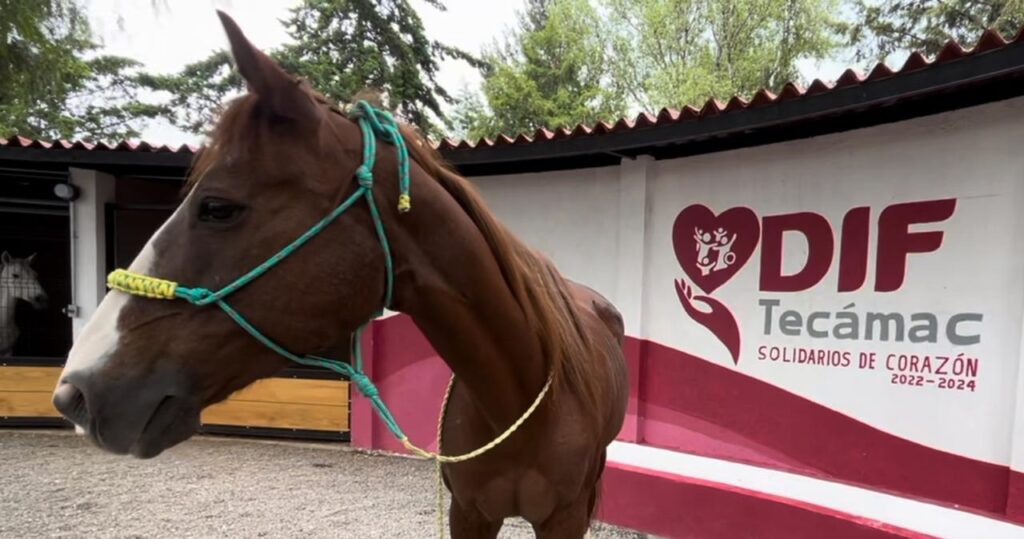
(284, 95)
(30, 258)
(5, 258)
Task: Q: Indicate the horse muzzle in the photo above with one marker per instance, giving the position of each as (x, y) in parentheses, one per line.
(140, 418)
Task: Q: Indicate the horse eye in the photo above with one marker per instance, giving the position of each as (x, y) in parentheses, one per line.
(218, 210)
(16, 276)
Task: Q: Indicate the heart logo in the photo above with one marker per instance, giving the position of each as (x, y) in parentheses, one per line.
(711, 249)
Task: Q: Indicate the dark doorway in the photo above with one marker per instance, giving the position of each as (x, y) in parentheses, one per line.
(36, 240)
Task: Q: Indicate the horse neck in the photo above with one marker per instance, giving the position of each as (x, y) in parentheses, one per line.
(448, 281)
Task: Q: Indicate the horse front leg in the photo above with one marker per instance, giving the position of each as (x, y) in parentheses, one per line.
(470, 523)
(568, 522)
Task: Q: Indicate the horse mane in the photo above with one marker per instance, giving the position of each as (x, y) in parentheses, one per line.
(542, 293)
(538, 287)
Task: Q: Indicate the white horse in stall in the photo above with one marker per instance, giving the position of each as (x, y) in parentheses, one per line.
(18, 281)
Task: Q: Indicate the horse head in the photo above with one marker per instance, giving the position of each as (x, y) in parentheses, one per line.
(19, 280)
(278, 160)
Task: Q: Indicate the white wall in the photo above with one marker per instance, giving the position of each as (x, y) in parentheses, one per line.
(88, 228)
(571, 216)
(611, 228)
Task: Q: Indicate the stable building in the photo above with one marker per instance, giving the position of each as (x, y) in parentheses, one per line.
(85, 210)
(823, 292)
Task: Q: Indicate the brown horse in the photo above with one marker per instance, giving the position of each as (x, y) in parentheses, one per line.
(500, 315)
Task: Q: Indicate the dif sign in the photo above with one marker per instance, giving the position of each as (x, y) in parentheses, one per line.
(838, 304)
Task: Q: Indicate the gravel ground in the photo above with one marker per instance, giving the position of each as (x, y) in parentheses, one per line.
(54, 484)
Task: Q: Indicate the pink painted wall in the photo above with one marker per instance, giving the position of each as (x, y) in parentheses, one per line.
(685, 403)
(412, 380)
(651, 501)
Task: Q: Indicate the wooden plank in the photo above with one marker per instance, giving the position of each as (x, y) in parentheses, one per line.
(27, 404)
(274, 402)
(277, 415)
(240, 413)
(29, 378)
(295, 391)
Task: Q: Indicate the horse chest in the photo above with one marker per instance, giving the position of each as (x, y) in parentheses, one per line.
(521, 477)
(527, 494)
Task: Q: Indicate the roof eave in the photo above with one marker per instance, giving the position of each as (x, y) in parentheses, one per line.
(85, 158)
(941, 79)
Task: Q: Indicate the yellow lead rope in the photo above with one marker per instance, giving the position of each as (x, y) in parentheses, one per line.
(438, 458)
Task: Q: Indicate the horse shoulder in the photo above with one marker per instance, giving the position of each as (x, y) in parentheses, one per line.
(617, 381)
(594, 302)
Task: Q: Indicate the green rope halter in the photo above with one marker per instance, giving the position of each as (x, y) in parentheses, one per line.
(374, 124)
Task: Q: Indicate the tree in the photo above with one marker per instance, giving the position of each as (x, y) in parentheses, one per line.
(681, 52)
(890, 26)
(342, 47)
(198, 90)
(471, 118)
(552, 71)
(573, 62)
(52, 85)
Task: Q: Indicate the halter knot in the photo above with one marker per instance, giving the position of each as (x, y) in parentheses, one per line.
(365, 385)
(364, 176)
(194, 296)
(376, 123)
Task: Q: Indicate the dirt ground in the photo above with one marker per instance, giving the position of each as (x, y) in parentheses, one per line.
(54, 484)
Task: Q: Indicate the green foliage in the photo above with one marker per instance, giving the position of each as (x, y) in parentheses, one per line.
(198, 90)
(471, 118)
(52, 85)
(553, 71)
(882, 28)
(342, 47)
(571, 62)
(681, 52)
(565, 61)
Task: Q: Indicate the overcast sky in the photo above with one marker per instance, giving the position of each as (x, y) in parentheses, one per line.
(178, 32)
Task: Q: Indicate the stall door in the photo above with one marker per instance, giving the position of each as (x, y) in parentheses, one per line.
(35, 289)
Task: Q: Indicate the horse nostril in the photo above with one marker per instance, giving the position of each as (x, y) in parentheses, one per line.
(70, 402)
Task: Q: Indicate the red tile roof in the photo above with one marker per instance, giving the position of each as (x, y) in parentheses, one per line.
(123, 146)
(990, 40)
